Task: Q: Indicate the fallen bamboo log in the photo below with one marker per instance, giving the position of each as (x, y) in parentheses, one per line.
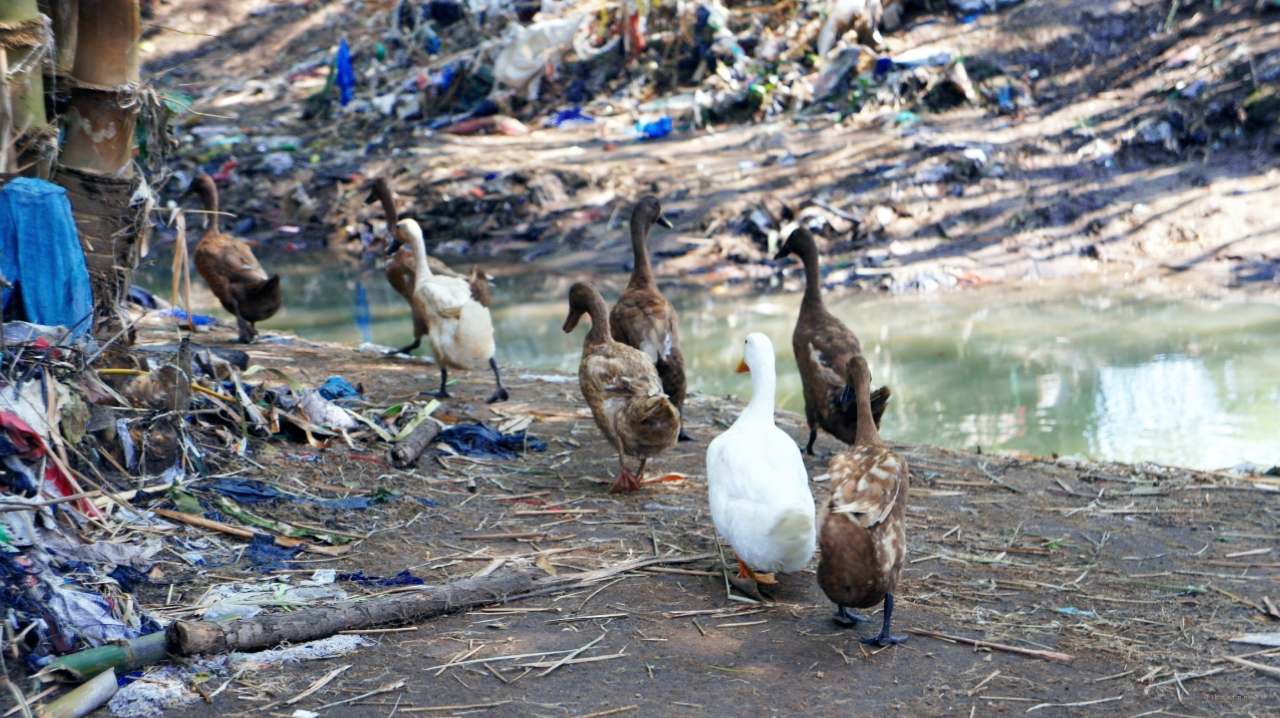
(408, 451)
(186, 638)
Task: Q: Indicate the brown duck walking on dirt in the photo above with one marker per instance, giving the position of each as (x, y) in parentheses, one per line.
(402, 267)
(823, 346)
(232, 272)
(861, 528)
(623, 389)
(643, 318)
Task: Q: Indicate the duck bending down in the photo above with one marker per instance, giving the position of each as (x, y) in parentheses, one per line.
(822, 346)
(459, 328)
(862, 533)
(622, 387)
(643, 318)
(402, 266)
(231, 271)
(756, 480)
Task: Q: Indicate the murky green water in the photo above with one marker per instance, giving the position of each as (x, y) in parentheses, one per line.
(1109, 375)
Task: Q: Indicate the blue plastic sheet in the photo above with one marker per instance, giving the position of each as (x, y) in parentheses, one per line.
(480, 441)
(346, 78)
(40, 248)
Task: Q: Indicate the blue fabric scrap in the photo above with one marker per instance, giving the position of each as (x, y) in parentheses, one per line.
(337, 388)
(480, 441)
(40, 248)
(404, 578)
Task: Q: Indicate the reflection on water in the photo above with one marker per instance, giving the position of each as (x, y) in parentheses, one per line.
(1112, 376)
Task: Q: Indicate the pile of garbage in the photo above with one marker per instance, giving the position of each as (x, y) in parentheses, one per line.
(119, 462)
(619, 72)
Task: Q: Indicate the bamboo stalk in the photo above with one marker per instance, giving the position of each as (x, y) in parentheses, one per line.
(84, 699)
(123, 656)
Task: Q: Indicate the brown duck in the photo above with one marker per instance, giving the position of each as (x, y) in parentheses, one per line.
(861, 530)
(622, 387)
(232, 272)
(402, 267)
(823, 345)
(643, 318)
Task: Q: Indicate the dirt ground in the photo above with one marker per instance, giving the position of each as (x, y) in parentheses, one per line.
(1142, 573)
(1072, 183)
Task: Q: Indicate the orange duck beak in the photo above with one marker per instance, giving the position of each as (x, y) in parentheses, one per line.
(742, 367)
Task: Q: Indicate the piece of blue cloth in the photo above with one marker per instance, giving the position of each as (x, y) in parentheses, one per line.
(346, 79)
(480, 441)
(40, 248)
(337, 388)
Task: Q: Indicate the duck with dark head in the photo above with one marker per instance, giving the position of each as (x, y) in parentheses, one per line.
(823, 345)
(861, 527)
(232, 271)
(622, 387)
(643, 319)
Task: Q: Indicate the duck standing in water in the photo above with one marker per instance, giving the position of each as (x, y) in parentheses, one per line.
(231, 271)
(459, 328)
(643, 318)
(756, 481)
(862, 533)
(823, 345)
(622, 387)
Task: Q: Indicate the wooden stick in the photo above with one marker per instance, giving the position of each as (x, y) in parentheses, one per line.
(1047, 655)
(473, 706)
(1255, 666)
(281, 541)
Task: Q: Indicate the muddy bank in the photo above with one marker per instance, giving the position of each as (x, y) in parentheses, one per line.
(1140, 572)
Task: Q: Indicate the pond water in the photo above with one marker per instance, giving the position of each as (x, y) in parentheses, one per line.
(1105, 374)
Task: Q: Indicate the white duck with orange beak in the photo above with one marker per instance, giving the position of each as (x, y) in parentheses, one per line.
(757, 483)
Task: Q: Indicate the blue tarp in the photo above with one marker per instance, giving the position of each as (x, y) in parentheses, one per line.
(40, 248)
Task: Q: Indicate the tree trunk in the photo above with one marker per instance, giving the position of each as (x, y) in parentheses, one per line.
(96, 165)
(25, 36)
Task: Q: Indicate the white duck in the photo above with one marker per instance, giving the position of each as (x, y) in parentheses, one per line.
(459, 328)
(758, 486)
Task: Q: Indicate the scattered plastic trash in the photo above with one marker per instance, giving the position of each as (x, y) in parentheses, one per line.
(278, 162)
(1073, 611)
(331, 647)
(923, 57)
(570, 119)
(660, 127)
(336, 388)
(199, 320)
(478, 440)
(345, 76)
(164, 688)
(325, 413)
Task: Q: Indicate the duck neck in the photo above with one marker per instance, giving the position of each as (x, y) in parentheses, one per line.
(209, 196)
(812, 278)
(764, 387)
(642, 275)
(867, 432)
(599, 333)
(422, 270)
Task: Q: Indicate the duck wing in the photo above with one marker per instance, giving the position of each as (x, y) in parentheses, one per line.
(622, 375)
(869, 482)
(829, 347)
(646, 321)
